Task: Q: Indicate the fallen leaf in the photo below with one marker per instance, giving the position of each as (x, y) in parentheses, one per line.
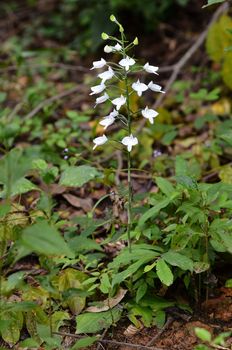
(85, 203)
(109, 303)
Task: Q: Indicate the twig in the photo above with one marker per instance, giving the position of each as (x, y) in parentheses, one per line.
(176, 68)
(102, 337)
(49, 100)
(156, 337)
(114, 342)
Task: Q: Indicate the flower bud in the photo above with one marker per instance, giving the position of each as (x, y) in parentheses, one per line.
(105, 36)
(113, 18)
(136, 41)
(121, 29)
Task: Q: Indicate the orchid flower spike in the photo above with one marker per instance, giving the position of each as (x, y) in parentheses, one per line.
(98, 64)
(155, 87)
(97, 89)
(101, 99)
(150, 69)
(106, 75)
(119, 102)
(139, 87)
(127, 62)
(107, 121)
(129, 141)
(100, 141)
(149, 114)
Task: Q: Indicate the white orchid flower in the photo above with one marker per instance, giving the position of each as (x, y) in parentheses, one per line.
(150, 69)
(149, 114)
(107, 121)
(97, 89)
(119, 102)
(139, 87)
(108, 49)
(114, 113)
(98, 64)
(155, 87)
(106, 75)
(102, 99)
(117, 47)
(127, 62)
(100, 141)
(129, 141)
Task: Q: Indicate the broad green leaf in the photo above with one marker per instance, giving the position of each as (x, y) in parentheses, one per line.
(29, 343)
(77, 176)
(227, 69)
(203, 334)
(160, 318)
(164, 273)
(152, 212)
(226, 238)
(165, 186)
(81, 244)
(14, 167)
(139, 252)
(23, 186)
(141, 291)
(218, 38)
(176, 259)
(11, 334)
(95, 322)
(85, 342)
(121, 276)
(46, 240)
(68, 279)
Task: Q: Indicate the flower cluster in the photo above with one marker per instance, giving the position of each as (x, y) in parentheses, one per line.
(119, 72)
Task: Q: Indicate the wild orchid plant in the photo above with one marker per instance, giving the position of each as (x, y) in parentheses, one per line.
(119, 72)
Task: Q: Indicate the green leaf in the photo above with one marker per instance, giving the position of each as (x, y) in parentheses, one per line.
(227, 70)
(228, 283)
(154, 211)
(69, 279)
(165, 186)
(141, 291)
(29, 343)
(203, 334)
(160, 318)
(85, 342)
(218, 38)
(11, 334)
(95, 322)
(46, 240)
(77, 176)
(164, 273)
(176, 259)
(81, 244)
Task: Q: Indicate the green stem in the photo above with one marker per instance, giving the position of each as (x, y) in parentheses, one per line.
(129, 206)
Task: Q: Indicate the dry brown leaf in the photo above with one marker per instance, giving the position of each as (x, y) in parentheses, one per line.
(109, 303)
(85, 203)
